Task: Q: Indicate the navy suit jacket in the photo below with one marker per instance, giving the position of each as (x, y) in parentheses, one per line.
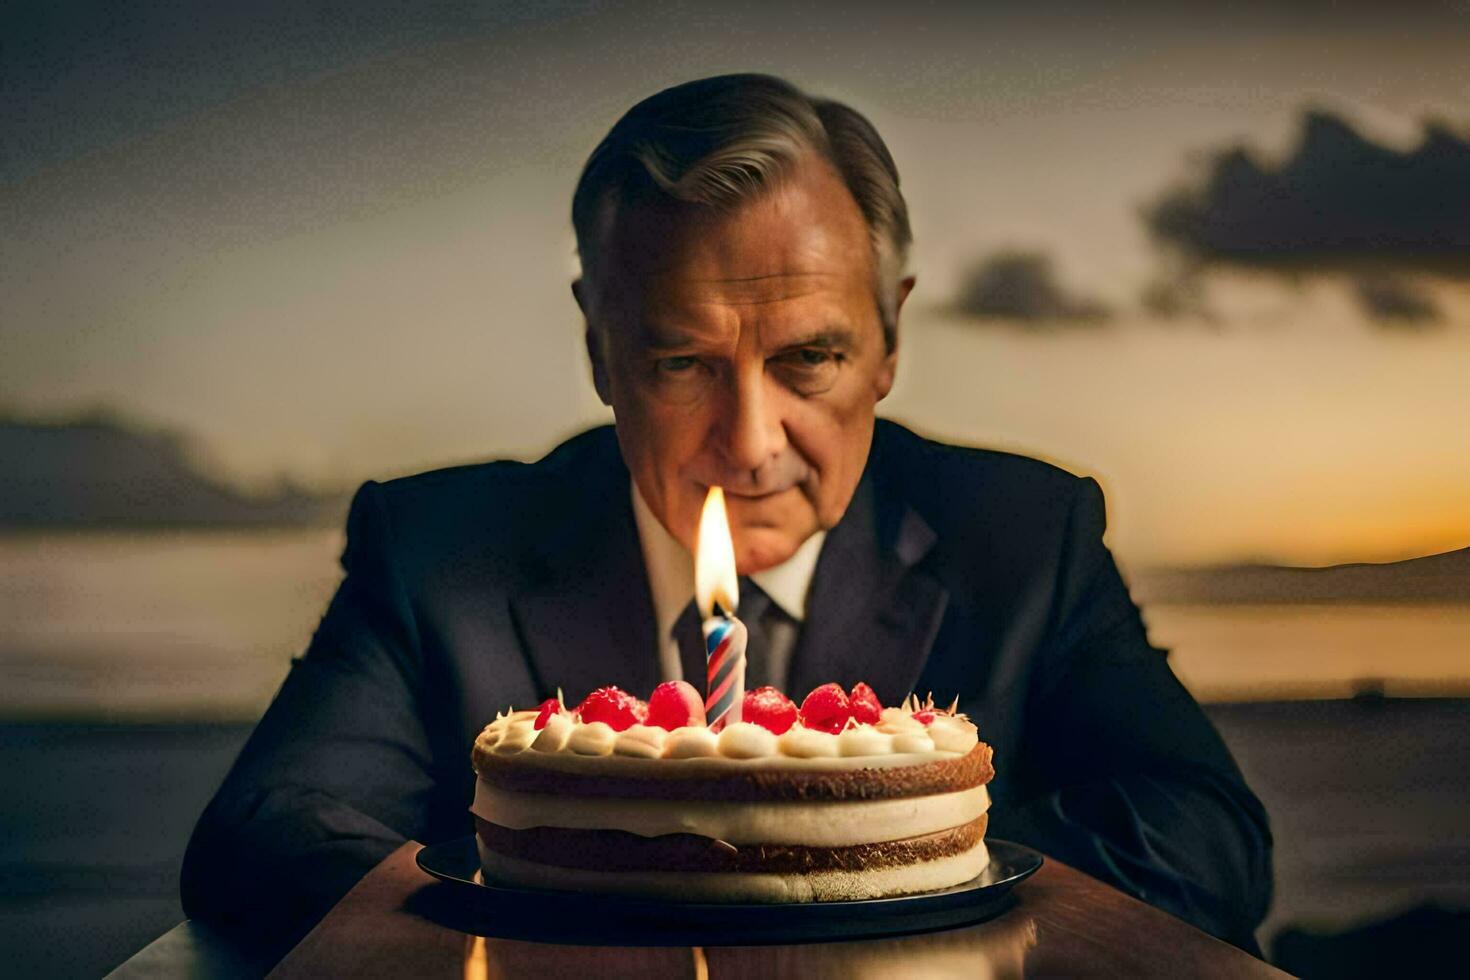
(959, 571)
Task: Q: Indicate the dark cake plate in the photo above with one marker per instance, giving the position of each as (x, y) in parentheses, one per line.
(464, 903)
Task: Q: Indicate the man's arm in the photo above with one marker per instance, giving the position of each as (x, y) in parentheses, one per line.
(336, 775)
(1137, 787)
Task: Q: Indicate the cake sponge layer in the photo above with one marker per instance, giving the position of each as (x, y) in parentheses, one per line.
(701, 886)
(616, 850)
(818, 824)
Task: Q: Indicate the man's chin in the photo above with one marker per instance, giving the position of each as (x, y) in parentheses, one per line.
(768, 529)
(760, 548)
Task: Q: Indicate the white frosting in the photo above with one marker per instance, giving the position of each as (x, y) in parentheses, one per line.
(913, 742)
(502, 722)
(515, 740)
(703, 886)
(953, 734)
(863, 740)
(691, 742)
(641, 741)
(807, 743)
(593, 738)
(896, 721)
(553, 738)
(745, 740)
(566, 743)
(829, 823)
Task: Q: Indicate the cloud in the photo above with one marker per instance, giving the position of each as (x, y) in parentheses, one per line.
(1339, 203)
(1177, 295)
(1395, 302)
(1021, 287)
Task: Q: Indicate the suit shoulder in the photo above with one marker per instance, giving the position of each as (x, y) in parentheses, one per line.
(1003, 519)
(927, 467)
(498, 500)
(501, 478)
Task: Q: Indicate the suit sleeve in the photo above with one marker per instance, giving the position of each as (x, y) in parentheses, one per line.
(336, 775)
(1133, 784)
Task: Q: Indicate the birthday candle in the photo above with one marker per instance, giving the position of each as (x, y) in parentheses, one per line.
(717, 592)
(724, 648)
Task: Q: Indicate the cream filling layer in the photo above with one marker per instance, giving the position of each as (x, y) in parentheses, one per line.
(839, 823)
(721, 886)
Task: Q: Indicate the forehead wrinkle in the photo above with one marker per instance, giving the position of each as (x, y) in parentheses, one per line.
(757, 290)
(656, 336)
(670, 328)
(830, 335)
(767, 275)
(758, 301)
(833, 330)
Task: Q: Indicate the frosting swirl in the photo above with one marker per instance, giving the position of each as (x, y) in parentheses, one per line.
(895, 734)
(744, 740)
(593, 738)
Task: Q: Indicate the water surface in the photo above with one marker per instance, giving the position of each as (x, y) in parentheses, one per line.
(203, 625)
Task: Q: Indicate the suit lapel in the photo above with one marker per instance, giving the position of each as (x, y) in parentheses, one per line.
(586, 616)
(872, 614)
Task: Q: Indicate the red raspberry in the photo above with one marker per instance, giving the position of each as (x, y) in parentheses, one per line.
(675, 704)
(547, 708)
(926, 716)
(768, 708)
(613, 705)
(866, 707)
(826, 709)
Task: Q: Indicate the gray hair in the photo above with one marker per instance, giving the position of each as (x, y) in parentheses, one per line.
(719, 141)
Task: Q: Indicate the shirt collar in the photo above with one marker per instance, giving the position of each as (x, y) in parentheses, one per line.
(671, 570)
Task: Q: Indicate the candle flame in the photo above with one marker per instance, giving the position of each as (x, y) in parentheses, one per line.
(714, 558)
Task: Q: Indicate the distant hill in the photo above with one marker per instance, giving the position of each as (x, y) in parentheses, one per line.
(1435, 578)
(101, 471)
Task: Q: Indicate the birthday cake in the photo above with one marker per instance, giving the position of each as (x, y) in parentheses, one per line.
(839, 798)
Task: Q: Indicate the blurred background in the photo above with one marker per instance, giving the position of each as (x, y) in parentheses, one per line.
(1217, 258)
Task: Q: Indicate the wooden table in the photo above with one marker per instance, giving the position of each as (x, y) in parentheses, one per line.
(1064, 923)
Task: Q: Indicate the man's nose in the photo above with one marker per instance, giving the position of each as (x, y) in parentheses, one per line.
(753, 431)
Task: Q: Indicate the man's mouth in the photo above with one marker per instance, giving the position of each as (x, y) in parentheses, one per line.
(780, 477)
(754, 495)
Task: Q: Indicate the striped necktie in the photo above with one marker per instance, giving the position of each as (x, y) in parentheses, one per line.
(773, 635)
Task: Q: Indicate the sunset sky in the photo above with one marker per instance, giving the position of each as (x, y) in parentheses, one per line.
(332, 240)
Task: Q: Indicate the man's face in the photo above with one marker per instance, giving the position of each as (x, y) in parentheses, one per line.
(744, 350)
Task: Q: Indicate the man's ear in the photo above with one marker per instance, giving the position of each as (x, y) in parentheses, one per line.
(905, 286)
(889, 368)
(595, 354)
(597, 357)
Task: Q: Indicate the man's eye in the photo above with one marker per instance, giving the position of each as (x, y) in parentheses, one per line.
(676, 365)
(809, 370)
(811, 357)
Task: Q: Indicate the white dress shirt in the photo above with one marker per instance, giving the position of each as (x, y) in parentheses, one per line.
(671, 581)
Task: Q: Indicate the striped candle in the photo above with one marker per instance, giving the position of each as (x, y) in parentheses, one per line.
(724, 649)
(717, 589)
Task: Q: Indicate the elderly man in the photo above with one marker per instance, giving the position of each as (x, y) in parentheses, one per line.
(743, 248)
